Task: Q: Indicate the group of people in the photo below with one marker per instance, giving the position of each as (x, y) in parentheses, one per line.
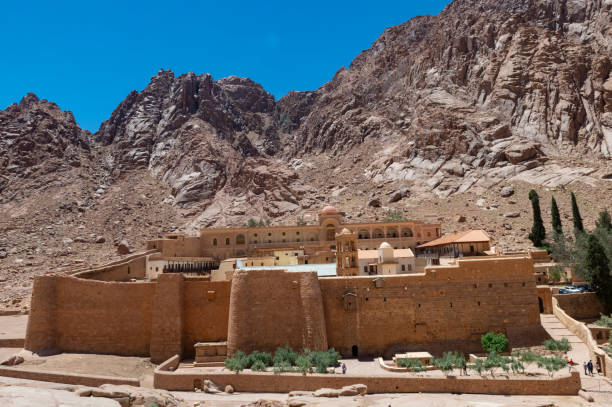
(588, 367)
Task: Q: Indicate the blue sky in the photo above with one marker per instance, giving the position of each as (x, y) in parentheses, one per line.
(86, 56)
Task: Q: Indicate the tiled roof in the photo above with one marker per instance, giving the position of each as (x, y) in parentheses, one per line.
(469, 236)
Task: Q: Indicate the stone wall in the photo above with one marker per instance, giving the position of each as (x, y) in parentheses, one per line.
(545, 299)
(285, 382)
(580, 306)
(66, 378)
(271, 308)
(584, 333)
(124, 270)
(447, 308)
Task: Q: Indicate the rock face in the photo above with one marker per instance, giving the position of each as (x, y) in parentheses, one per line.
(36, 139)
(483, 91)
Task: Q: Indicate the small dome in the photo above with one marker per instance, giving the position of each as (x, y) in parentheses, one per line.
(385, 245)
(345, 231)
(329, 210)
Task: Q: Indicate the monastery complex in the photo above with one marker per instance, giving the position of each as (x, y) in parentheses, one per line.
(367, 289)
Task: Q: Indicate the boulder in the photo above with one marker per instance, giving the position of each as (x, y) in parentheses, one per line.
(100, 239)
(3, 254)
(229, 389)
(299, 393)
(13, 360)
(210, 387)
(398, 195)
(459, 218)
(512, 214)
(521, 152)
(374, 203)
(325, 392)
(296, 403)
(123, 247)
(507, 192)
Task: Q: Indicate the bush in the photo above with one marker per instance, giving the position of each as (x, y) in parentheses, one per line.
(282, 366)
(555, 345)
(284, 355)
(303, 363)
(263, 357)
(527, 356)
(492, 342)
(446, 363)
(479, 366)
(414, 365)
(237, 363)
(604, 320)
(258, 366)
(551, 364)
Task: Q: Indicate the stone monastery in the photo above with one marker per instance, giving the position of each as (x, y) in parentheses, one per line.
(359, 288)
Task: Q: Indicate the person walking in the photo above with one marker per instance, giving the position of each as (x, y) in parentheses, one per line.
(343, 368)
(590, 366)
(586, 367)
(598, 367)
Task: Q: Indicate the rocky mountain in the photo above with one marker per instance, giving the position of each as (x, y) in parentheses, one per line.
(37, 139)
(432, 120)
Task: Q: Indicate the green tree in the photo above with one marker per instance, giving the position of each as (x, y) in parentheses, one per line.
(492, 342)
(304, 365)
(538, 232)
(578, 227)
(479, 366)
(604, 222)
(301, 221)
(252, 223)
(556, 217)
(597, 268)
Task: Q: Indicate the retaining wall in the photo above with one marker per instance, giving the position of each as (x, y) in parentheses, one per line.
(286, 382)
(584, 333)
(580, 305)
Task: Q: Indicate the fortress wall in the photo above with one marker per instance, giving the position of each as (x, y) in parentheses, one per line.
(40, 332)
(167, 318)
(131, 267)
(581, 305)
(76, 315)
(183, 246)
(205, 313)
(447, 308)
(271, 308)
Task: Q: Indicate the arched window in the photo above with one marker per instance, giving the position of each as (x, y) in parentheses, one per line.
(331, 232)
(407, 232)
(227, 241)
(214, 242)
(240, 239)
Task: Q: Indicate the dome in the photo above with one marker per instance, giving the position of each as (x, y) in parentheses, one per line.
(385, 245)
(345, 231)
(329, 210)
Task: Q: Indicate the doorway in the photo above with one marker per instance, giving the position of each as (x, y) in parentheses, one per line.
(355, 351)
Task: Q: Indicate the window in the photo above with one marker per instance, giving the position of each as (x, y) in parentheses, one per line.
(214, 242)
(255, 235)
(410, 267)
(156, 268)
(227, 241)
(283, 233)
(269, 234)
(365, 269)
(297, 233)
(403, 267)
(297, 240)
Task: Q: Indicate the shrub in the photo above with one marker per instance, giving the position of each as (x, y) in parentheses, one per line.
(479, 366)
(527, 356)
(604, 320)
(517, 366)
(303, 363)
(236, 363)
(413, 364)
(286, 355)
(258, 366)
(282, 366)
(262, 357)
(555, 345)
(551, 364)
(492, 342)
(445, 363)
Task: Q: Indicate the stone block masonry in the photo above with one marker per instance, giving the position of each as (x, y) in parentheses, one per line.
(446, 308)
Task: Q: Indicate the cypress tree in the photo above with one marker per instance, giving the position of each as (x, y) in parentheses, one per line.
(578, 227)
(598, 271)
(556, 218)
(538, 232)
(604, 222)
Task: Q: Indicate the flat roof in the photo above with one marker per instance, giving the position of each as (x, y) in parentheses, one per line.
(323, 270)
(469, 236)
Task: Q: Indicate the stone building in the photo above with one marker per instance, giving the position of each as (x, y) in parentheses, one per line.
(386, 260)
(461, 244)
(316, 241)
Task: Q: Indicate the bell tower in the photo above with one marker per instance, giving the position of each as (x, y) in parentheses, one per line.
(346, 253)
